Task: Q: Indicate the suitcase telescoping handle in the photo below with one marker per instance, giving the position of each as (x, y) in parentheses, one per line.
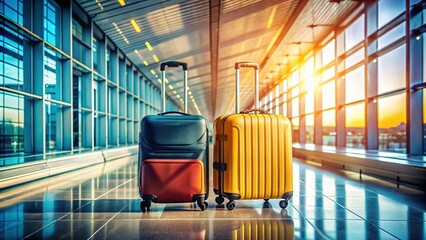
(163, 83)
(239, 65)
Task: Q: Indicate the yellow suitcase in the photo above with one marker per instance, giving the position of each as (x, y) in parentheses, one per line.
(252, 153)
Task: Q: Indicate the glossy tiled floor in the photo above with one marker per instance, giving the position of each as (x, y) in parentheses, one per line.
(103, 202)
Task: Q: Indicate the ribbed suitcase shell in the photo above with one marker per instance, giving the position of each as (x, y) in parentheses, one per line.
(257, 151)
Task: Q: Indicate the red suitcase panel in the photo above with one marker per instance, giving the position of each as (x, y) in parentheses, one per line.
(172, 180)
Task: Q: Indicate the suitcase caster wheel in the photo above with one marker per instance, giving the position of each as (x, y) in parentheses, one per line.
(145, 206)
(230, 205)
(219, 200)
(284, 203)
(203, 206)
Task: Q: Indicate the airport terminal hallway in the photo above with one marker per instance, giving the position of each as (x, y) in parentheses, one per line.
(102, 202)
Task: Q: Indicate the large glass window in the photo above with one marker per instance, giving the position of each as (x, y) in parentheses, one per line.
(295, 123)
(355, 125)
(424, 121)
(11, 76)
(77, 29)
(284, 105)
(309, 123)
(13, 9)
(52, 75)
(424, 55)
(328, 53)
(328, 74)
(53, 119)
(295, 107)
(109, 65)
(355, 58)
(11, 123)
(51, 20)
(309, 102)
(354, 34)
(391, 70)
(95, 46)
(328, 95)
(355, 85)
(392, 123)
(388, 10)
(77, 115)
(329, 128)
(294, 78)
(391, 36)
(11, 60)
(277, 99)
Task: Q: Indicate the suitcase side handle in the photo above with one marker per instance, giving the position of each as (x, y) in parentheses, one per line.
(173, 112)
(237, 67)
(163, 66)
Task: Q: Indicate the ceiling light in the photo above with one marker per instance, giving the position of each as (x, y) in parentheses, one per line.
(174, 92)
(159, 80)
(178, 96)
(155, 58)
(166, 80)
(152, 71)
(170, 86)
(120, 32)
(148, 45)
(189, 92)
(100, 5)
(122, 3)
(146, 63)
(135, 25)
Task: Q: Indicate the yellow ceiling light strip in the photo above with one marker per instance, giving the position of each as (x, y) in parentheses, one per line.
(155, 58)
(159, 80)
(152, 71)
(135, 25)
(148, 45)
(166, 80)
(271, 17)
(171, 87)
(121, 2)
(146, 63)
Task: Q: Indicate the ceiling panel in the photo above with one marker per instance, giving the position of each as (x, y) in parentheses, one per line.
(273, 33)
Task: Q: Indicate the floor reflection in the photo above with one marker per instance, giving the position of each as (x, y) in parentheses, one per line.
(103, 202)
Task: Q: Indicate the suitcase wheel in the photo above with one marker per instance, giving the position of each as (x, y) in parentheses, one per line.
(284, 203)
(230, 205)
(219, 200)
(202, 205)
(145, 206)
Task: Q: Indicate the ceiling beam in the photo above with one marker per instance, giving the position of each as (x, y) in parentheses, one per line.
(300, 6)
(214, 51)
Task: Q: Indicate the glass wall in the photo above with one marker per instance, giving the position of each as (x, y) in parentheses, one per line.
(12, 77)
(355, 125)
(356, 82)
(64, 99)
(392, 123)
